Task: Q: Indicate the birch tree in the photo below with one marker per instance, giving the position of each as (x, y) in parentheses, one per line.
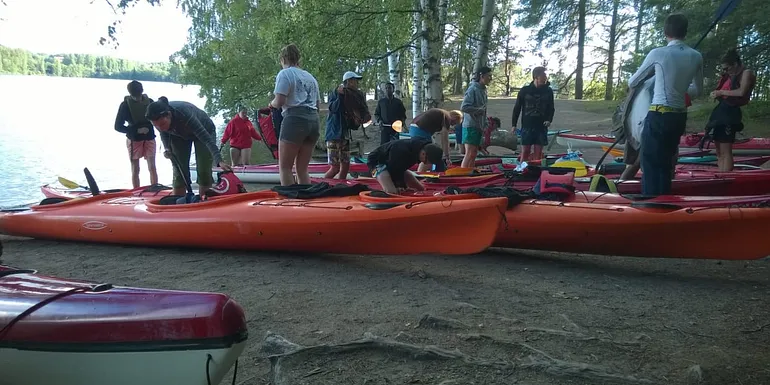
(485, 35)
(431, 48)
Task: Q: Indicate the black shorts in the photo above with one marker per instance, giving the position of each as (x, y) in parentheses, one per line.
(725, 121)
(537, 136)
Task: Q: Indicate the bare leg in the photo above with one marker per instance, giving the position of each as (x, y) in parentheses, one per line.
(246, 156)
(135, 172)
(525, 153)
(303, 159)
(235, 156)
(386, 182)
(334, 169)
(153, 170)
(287, 154)
(630, 171)
(537, 152)
(412, 182)
(469, 160)
(725, 157)
(344, 168)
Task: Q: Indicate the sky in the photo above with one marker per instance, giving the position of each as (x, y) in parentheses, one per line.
(146, 34)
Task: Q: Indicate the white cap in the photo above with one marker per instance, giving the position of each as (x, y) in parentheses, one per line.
(351, 75)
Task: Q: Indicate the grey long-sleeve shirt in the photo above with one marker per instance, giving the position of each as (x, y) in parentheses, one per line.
(190, 122)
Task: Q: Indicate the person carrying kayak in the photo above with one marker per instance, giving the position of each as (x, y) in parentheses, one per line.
(474, 106)
(390, 163)
(182, 125)
(431, 122)
(140, 136)
(535, 104)
(678, 69)
(733, 92)
(239, 132)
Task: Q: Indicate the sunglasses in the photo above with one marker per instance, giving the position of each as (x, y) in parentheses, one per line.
(158, 116)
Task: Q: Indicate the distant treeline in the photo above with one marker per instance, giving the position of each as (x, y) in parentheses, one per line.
(23, 62)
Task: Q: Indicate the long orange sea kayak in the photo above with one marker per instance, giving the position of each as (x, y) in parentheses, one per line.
(641, 229)
(266, 221)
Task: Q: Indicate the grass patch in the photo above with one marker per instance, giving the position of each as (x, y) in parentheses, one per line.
(600, 106)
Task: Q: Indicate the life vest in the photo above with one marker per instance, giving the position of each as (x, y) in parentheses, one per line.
(138, 109)
(735, 83)
(600, 183)
(269, 127)
(227, 184)
(555, 181)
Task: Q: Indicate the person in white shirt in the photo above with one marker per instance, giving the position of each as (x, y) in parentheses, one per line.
(678, 69)
(297, 94)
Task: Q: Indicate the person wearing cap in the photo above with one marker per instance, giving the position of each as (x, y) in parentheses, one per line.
(389, 110)
(390, 163)
(239, 132)
(474, 107)
(347, 111)
(535, 104)
(182, 125)
(431, 122)
(140, 136)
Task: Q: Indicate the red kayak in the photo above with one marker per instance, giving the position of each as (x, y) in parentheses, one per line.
(51, 191)
(592, 197)
(71, 332)
(746, 146)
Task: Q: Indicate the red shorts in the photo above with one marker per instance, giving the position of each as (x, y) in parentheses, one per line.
(142, 149)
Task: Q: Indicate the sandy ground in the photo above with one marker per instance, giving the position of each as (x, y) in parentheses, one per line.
(501, 317)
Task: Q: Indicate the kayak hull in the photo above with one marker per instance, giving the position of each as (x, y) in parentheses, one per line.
(264, 221)
(101, 334)
(750, 146)
(675, 229)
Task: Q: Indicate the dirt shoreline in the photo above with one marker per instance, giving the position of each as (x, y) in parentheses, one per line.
(500, 317)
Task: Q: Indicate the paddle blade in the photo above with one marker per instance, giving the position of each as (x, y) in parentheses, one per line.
(613, 152)
(727, 7)
(397, 126)
(68, 183)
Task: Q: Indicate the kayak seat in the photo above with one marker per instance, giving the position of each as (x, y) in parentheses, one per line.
(169, 199)
(380, 194)
(383, 205)
(16, 271)
(655, 205)
(52, 201)
(638, 197)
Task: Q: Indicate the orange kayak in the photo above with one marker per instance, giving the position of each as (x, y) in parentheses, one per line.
(641, 229)
(266, 221)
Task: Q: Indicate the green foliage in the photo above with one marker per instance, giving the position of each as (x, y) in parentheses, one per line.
(23, 62)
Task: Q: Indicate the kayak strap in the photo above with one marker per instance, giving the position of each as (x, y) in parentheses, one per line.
(210, 358)
(320, 190)
(96, 288)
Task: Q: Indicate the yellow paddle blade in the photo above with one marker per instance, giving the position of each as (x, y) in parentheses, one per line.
(459, 171)
(397, 126)
(68, 183)
(613, 152)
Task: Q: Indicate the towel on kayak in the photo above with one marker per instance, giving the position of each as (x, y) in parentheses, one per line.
(514, 196)
(320, 190)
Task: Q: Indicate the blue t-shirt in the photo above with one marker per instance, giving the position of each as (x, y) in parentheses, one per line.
(299, 86)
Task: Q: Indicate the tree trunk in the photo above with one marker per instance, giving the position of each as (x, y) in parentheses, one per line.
(394, 75)
(581, 49)
(443, 5)
(639, 20)
(608, 94)
(508, 58)
(431, 46)
(417, 62)
(457, 84)
(485, 34)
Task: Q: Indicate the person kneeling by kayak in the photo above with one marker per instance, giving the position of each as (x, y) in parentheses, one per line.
(182, 124)
(390, 162)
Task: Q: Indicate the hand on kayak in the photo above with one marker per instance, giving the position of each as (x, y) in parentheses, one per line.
(547, 124)
(224, 166)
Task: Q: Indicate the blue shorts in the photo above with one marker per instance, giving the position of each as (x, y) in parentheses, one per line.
(417, 132)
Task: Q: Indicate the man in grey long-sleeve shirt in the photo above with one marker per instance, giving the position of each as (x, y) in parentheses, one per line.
(182, 124)
(675, 67)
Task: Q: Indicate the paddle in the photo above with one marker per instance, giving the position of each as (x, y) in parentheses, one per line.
(725, 9)
(188, 184)
(70, 184)
(91, 182)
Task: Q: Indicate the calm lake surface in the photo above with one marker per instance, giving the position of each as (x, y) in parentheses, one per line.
(51, 127)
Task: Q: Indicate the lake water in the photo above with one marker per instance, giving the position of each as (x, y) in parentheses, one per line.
(51, 127)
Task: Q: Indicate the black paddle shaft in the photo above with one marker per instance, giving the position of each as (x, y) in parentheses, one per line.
(187, 182)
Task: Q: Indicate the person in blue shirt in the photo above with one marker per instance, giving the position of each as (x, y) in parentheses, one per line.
(678, 69)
